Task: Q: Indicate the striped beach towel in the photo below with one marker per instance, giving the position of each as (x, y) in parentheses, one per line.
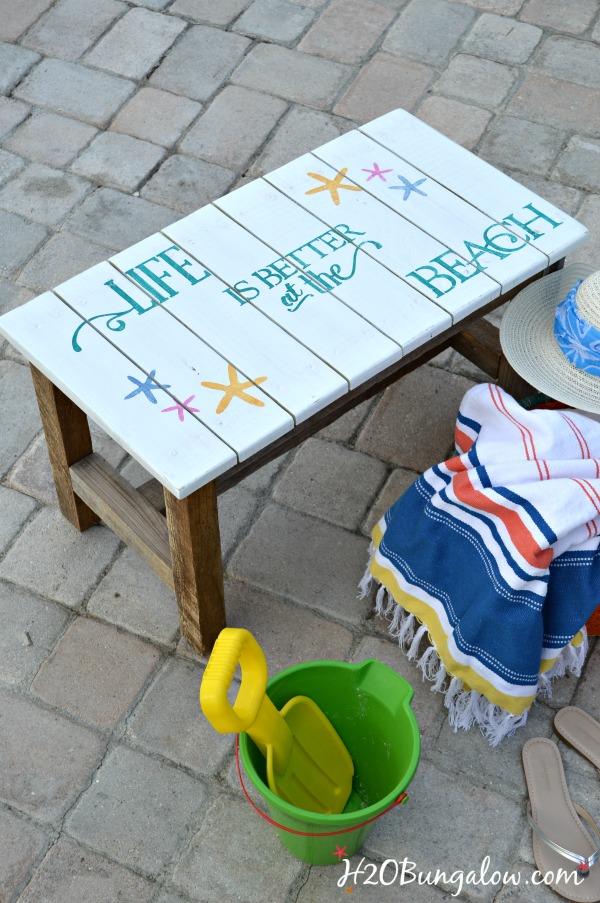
(489, 565)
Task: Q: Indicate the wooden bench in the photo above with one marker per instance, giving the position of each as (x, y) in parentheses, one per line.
(212, 347)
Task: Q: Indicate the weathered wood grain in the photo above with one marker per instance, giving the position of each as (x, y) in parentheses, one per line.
(68, 440)
(197, 566)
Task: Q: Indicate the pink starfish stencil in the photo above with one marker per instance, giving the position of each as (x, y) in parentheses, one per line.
(180, 408)
(376, 171)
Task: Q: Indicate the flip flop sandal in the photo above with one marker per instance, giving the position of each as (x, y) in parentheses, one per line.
(563, 849)
(580, 731)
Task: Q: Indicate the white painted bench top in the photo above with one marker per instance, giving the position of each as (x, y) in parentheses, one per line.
(199, 346)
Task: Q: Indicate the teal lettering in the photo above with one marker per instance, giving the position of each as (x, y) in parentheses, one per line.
(155, 278)
(331, 238)
(454, 266)
(268, 276)
(282, 266)
(347, 231)
(138, 307)
(434, 277)
(491, 242)
(179, 267)
(525, 225)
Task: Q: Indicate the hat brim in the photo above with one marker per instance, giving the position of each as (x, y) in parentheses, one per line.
(529, 345)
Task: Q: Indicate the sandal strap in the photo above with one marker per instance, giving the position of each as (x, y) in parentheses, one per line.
(584, 863)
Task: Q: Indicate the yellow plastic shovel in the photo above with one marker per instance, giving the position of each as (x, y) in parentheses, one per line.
(307, 763)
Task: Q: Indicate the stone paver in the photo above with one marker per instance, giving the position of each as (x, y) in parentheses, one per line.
(71, 26)
(551, 14)
(33, 473)
(20, 418)
(575, 61)
(15, 18)
(100, 162)
(71, 873)
(30, 627)
(45, 760)
(137, 810)
(65, 87)
(579, 164)
(396, 431)
(502, 39)
(75, 560)
(245, 857)
(589, 215)
(347, 30)
(300, 131)
(20, 239)
(331, 482)
(428, 30)
(279, 623)
(463, 123)
(326, 582)
(221, 13)
(15, 62)
(95, 672)
(292, 75)
(186, 183)
(420, 830)
(12, 112)
(133, 597)
(234, 127)
(398, 482)
(50, 138)
(274, 20)
(521, 144)
(22, 844)
(65, 255)
(200, 62)
(156, 116)
(169, 705)
(136, 43)
(480, 81)
(384, 84)
(113, 787)
(16, 509)
(43, 194)
(557, 102)
(117, 219)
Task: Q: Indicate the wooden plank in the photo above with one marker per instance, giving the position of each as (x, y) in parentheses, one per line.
(126, 512)
(421, 199)
(480, 343)
(300, 303)
(197, 569)
(170, 353)
(491, 191)
(322, 257)
(139, 415)
(409, 252)
(296, 379)
(68, 440)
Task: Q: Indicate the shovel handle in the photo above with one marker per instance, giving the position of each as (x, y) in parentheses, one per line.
(234, 646)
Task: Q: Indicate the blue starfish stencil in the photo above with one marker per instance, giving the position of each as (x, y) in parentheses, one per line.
(409, 187)
(145, 388)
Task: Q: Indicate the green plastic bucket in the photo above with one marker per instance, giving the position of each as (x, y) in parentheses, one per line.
(369, 706)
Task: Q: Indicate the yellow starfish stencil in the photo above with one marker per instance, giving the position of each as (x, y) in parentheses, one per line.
(236, 389)
(332, 185)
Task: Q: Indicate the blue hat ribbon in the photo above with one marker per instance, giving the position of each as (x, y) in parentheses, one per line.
(578, 340)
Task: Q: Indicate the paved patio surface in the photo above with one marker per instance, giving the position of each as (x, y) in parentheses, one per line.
(118, 117)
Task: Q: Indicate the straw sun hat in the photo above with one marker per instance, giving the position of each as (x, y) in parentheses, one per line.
(550, 334)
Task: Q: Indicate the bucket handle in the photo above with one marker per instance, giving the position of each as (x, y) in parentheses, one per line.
(400, 801)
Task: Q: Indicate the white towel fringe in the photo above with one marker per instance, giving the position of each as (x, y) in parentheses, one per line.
(466, 708)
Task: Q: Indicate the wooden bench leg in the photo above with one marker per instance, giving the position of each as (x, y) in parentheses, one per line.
(197, 566)
(68, 439)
